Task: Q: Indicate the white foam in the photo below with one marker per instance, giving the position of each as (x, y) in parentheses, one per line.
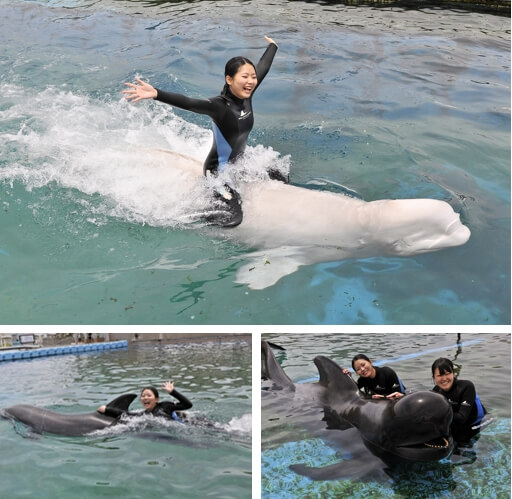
(104, 147)
(240, 425)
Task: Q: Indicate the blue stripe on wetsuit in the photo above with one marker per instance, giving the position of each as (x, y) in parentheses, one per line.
(176, 418)
(223, 148)
(402, 387)
(480, 410)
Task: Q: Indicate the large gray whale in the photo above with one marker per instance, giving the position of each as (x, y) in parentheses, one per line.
(289, 226)
(414, 428)
(46, 421)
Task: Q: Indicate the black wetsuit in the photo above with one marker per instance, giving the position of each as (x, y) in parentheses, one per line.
(232, 117)
(166, 408)
(468, 411)
(385, 382)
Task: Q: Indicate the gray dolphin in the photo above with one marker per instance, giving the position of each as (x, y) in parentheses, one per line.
(413, 428)
(46, 421)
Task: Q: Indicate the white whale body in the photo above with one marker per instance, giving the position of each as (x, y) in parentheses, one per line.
(291, 226)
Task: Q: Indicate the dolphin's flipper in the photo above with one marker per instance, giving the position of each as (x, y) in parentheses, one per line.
(334, 421)
(270, 368)
(122, 402)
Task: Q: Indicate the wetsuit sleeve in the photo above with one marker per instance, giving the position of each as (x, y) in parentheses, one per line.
(200, 106)
(467, 401)
(263, 66)
(182, 405)
(184, 402)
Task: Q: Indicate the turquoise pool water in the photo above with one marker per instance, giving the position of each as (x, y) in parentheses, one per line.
(391, 103)
(115, 463)
(289, 436)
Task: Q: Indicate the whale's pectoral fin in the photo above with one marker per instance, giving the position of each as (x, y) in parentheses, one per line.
(267, 267)
(123, 401)
(334, 421)
(343, 469)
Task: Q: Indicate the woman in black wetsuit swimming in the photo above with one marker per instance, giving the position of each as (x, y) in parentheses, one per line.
(231, 113)
(149, 398)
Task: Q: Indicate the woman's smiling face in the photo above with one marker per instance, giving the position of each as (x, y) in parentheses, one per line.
(244, 82)
(148, 400)
(364, 368)
(443, 381)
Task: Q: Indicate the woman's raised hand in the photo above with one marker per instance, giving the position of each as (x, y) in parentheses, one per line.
(139, 91)
(269, 40)
(168, 386)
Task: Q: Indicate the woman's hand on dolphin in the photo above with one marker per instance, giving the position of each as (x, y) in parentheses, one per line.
(346, 371)
(102, 408)
(139, 91)
(168, 386)
(269, 40)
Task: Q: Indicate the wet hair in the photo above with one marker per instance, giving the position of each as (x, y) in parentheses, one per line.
(152, 388)
(360, 356)
(232, 67)
(444, 366)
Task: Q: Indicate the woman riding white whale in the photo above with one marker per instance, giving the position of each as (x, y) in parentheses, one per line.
(232, 116)
(288, 225)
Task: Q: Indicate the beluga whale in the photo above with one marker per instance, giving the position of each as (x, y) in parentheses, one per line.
(412, 429)
(41, 420)
(288, 226)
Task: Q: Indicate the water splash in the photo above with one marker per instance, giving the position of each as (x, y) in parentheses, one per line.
(239, 425)
(105, 149)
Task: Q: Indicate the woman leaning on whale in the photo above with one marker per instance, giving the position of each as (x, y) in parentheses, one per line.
(377, 382)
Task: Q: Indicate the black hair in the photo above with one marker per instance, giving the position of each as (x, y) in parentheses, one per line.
(152, 388)
(360, 356)
(232, 67)
(444, 366)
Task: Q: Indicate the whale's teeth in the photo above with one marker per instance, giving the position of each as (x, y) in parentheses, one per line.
(446, 443)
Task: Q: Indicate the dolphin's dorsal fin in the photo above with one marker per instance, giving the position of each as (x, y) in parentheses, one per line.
(123, 401)
(271, 369)
(333, 377)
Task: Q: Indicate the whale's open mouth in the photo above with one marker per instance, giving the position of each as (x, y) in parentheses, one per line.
(436, 443)
(430, 450)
